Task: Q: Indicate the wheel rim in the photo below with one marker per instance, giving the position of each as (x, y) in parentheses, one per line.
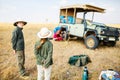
(90, 42)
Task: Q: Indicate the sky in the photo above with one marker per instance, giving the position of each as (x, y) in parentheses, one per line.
(42, 11)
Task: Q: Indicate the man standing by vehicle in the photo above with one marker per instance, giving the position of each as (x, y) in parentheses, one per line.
(43, 52)
(18, 45)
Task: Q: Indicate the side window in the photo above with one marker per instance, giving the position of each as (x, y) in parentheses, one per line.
(79, 19)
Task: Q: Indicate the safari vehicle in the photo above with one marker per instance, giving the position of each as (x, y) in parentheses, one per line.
(92, 32)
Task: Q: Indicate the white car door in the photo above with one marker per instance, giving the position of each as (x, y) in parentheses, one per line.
(77, 30)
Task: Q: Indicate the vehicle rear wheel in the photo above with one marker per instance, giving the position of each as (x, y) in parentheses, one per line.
(66, 36)
(110, 43)
(91, 42)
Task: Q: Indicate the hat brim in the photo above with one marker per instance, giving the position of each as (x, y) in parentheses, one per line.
(15, 24)
(47, 36)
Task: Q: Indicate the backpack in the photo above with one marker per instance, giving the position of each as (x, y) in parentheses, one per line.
(79, 60)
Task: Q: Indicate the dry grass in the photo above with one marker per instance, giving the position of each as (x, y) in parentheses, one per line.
(114, 25)
(102, 58)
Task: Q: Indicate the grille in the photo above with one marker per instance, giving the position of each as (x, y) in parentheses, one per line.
(111, 32)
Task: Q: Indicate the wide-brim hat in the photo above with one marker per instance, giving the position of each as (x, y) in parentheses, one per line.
(44, 33)
(24, 22)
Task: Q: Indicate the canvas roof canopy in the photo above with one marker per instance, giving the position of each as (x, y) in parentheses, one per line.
(83, 8)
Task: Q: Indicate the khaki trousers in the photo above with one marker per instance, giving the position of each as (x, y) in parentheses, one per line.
(21, 61)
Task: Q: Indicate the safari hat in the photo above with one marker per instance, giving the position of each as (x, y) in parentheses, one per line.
(44, 33)
(15, 24)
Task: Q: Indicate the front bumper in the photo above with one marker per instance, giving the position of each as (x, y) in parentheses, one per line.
(109, 38)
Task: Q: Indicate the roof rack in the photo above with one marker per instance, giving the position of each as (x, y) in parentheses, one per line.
(83, 8)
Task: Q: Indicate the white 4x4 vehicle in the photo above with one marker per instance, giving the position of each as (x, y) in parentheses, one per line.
(92, 32)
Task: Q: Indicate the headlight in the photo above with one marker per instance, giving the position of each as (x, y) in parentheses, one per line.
(102, 32)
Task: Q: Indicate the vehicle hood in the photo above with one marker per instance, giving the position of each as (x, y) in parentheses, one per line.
(99, 24)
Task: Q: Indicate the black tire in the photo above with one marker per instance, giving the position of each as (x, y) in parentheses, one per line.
(66, 36)
(110, 43)
(91, 42)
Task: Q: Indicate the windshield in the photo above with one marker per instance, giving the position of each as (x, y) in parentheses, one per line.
(88, 16)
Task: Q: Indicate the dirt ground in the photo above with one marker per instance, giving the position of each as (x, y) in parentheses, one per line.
(102, 58)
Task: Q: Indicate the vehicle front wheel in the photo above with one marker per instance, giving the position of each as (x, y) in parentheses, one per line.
(91, 42)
